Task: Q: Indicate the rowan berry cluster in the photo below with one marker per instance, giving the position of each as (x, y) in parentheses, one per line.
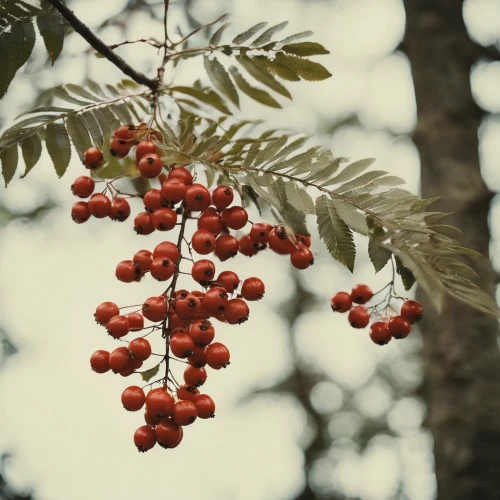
(178, 316)
(387, 326)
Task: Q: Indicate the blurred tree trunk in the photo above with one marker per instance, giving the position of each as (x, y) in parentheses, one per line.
(461, 353)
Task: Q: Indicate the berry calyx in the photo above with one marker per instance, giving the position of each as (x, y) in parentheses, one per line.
(143, 223)
(260, 232)
(195, 376)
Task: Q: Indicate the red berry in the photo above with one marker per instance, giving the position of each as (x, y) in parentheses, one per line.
(215, 300)
(120, 360)
(203, 271)
(226, 246)
(202, 332)
(83, 186)
(105, 311)
(197, 197)
(302, 258)
(234, 217)
(154, 309)
(99, 361)
(99, 205)
(135, 321)
(159, 403)
(361, 294)
(359, 317)
(184, 412)
(195, 376)
(168, 250)
(143, 259)
(168, 433)
(133, 398)
(217, 356)
(211, 221)
(379, 332)
(174, 190)
(203, 242)
(181, 345)
(118, 326)
(399, 327)
(247, 246)
(205, 406)
(120, 210)
(188, 308)
(150, 166)
(92, 158)
(127, 272)
(181, 173)
(412, 311)
(187, 392)
(119, 148)
(236, 312)
(253, 289)
(199, 357)
(280, 241)
(144, 438)
(305, 240)
(153, 200)
(140, 348)
(222, 197)
(80, 212)
(260, 232)
(136, 364)
(341, 302)
(144, 148)
(125, 133)
(151, 419)
(229, 280)
(143, 223)
(162, 269)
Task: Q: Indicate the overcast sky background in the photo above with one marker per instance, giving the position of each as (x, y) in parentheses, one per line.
(64, 424)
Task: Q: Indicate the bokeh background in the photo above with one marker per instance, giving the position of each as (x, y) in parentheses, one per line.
(309, 408)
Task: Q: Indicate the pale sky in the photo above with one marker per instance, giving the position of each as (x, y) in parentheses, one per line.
(64, 424)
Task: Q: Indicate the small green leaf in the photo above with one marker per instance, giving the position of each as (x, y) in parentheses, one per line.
(149, 374)
(304, 49)
(94, 129)
(216, 37)
(277, 68)
(249, 33)
(221, 80)
(307, 70)
(406, 275)
(299, 198)
(58, 146)
(206, 97)
(379, 255)
(31, 148)
(9, 158)
(78, 133)
(268, 34)
(297, 36)
(351, 216)
(81, 92)
(52, 31)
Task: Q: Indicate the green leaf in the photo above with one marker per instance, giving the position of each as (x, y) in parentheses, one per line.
(351, 216)
(335, 233)
(94, 129)
(221, 80)
(297, 36)
(31, 148)
(149, 374)
(299, 198)
(46, 109)
(268, 34)
(206, 97)
(78, 133)
(270, 150)
(304, 49)
(95, 88)
(277, 68)
(262, 75)
(360, 184)
(9, 158)
(379, 255)
(58, 146)
(249, 33)
(307, 70)
(406, 275)
(52, 31)
(350, 171)
(295, 219)
(216, 37)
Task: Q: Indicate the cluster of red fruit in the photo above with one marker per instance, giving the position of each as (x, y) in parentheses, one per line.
(387, 327)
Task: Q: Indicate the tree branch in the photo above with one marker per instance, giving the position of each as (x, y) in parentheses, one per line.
(101, 47)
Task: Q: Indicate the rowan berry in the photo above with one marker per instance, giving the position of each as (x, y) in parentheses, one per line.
(120, 360)
(229, 280)
(150, 166)
(211, 221)
(168, 433)
(175, 321)
(99, 205)
(162, 269)
(215, 300)
(144, 148)
(143, 259)
(185, 412)
(99, 361)
(127, 272)
(136, 364)
(217, 356)
(202, 332)
(140, 348)
(151, 419)
(159, 402)
(197, 197)
(359, 317)
(80, 212)
(83, 186)
(205, 406)
(136, 321)
(119, 148)
(341, 302)
(234, 217)
(118, 326)
(174, 190)
(144, 438)
(222, 197)
(302, 258)
(188, 308)
(105, 311)
(154, 309)
(260, 232)
(143, 223)
(203, 271)
(203, 242)
(379, 332)
(133, 398)
(181, 345)
(120, 210)
(253, 289)
(153, 200)
(195, 376)
(226, 247)
(361, 294)
(181, 173)
(412, 311)
(399, 327)
(199, 357)
(247, 247)
(168, 250)
(125, 133)
(305, 240)
(164, 219)
(187, 392)
(93, 158)
(236, 312)
(280, 241)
